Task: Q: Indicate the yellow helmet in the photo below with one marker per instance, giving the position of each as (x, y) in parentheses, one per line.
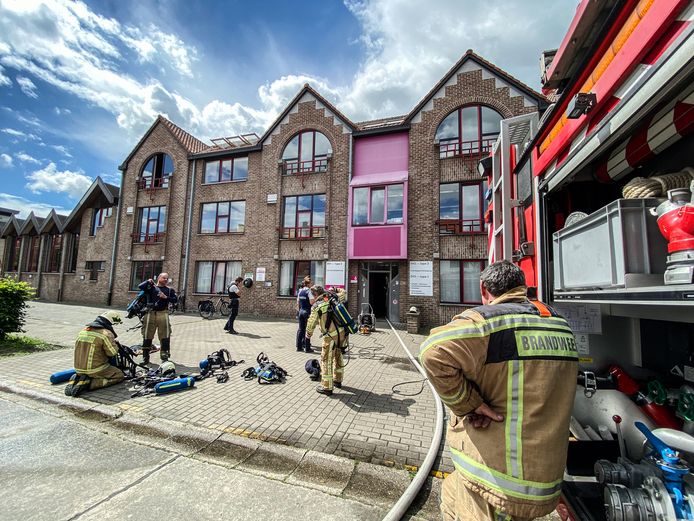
(112, 316)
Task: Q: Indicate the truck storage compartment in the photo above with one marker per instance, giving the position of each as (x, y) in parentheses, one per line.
(598, 251)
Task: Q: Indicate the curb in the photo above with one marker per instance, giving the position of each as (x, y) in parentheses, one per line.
(335, 475)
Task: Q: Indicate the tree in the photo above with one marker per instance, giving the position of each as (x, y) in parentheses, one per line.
(13, 303)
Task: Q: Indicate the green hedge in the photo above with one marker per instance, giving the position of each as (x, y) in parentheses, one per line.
(13, 302)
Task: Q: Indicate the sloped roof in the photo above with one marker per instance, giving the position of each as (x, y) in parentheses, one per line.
(471, 55)
(54, 218)
(190, 143)
(32, 221)
(97, 190)
(15, 223)
(8, 211)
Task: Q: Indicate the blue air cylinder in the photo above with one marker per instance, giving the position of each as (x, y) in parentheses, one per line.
(177, 384)
(204, 364)
(62, 376)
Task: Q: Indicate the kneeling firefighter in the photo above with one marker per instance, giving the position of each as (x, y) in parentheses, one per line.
(334, 340)
(157, 318)
(95, 346)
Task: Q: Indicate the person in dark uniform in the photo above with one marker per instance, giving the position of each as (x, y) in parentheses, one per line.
(233, 305)
(157, 318)
(303, 307)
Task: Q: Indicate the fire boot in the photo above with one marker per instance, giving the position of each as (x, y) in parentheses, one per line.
(165, 352)
(146, 347)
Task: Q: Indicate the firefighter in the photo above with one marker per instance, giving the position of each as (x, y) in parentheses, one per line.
(507, 372)
(95, 345)
(334, 338)
(157, 318)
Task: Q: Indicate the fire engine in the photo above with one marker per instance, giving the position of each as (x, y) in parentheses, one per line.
(594, 202)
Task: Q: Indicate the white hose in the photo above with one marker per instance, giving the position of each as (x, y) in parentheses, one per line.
(398, 510)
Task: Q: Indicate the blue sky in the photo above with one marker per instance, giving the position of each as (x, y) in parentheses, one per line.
(80, 82)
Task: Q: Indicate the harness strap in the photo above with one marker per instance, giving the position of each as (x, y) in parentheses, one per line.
(544, 310)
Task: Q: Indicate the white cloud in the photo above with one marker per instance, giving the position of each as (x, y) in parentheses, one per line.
(26, 206)
(5, 161)
(62, 150)
(50, 179)
(61, 111)
(4, 80)
(13, 132)
(26, 158)
(27, 86)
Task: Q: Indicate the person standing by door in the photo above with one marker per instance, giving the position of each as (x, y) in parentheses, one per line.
(233, 305)
(303, 308)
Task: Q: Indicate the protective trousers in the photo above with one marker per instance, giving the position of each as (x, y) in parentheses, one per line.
(331, 365)
(108, 376)
(458, 503)
(156, 322)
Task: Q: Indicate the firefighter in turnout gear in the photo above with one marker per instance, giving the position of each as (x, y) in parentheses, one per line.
(507, 372)
(95, 346)
(157, 318)
(334, 340)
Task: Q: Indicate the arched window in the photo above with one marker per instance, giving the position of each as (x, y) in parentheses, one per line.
(307, 152)
(156, 172)
(468, 130)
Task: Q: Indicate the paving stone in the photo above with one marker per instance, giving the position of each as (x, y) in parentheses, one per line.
(273, 461)
(374, 484)
(325, 472)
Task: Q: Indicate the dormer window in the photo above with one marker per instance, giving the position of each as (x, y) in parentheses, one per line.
(156, 172)
(468, 131)
(306, 153)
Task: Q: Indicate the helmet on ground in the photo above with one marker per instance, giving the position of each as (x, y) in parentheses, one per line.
(312, 367)
(112, 316)
(167, 369)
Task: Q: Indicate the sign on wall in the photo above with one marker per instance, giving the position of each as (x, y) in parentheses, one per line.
(260, 274)
(422, 278)
(335, 274)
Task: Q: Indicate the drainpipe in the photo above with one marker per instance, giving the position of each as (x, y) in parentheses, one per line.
(115, 240)
(39, 267)
(63, 254)
(184, 278)
(349, 180)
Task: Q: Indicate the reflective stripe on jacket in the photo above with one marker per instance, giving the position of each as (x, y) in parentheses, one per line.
(93, 348)
(319, 316)
(523, 366)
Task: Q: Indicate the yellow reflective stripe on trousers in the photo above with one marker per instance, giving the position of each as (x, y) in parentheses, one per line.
(508, 485)
(514, 419)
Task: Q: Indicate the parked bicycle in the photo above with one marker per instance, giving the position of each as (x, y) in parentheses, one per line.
(207, 308)
(179, 305)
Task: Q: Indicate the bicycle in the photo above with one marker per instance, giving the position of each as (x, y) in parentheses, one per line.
(180, 304)
(207, 308)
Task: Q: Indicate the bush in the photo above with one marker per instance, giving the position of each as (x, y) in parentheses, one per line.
(13, 303)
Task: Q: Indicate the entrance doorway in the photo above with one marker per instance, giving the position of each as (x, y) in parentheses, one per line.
(380, 287)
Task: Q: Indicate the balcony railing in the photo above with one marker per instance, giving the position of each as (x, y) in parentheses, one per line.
(152, 183)
(470, 150)
(303, 232)
(148, 238)
(461, 226)
(295, 167)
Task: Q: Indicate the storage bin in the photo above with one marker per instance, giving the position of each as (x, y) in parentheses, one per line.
(597, 252)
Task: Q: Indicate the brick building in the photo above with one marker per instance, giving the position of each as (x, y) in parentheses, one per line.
(393, 209)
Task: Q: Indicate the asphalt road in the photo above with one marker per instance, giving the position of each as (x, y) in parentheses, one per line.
(57, 468)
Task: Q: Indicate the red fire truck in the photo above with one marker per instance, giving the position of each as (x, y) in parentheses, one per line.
(594, 202)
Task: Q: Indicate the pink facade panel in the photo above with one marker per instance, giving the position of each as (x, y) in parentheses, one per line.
(380, 162)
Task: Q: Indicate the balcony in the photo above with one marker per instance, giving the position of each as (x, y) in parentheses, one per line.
(301, 233)
(312, 166)
(461, 226)
(148, 238)
(469, 150)
(152, 183)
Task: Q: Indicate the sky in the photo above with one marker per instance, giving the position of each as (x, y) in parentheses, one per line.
(81, 82)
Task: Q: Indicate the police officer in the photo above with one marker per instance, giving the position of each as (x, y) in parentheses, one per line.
(156, 320)
(95, 345)
(334, 338)
(234, 300)
(303, 308)
(507, 372)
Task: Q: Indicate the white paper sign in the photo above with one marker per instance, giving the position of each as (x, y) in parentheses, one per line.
(583, 318)
(582, 344)
(422, 278)
(260, 274)
(335, 274)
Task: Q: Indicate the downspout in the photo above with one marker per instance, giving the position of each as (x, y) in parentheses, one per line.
(189, 230)
(349, 181)
(109, 298)
(39, 267)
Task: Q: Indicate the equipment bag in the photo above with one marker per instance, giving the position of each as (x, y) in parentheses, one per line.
(343, 318)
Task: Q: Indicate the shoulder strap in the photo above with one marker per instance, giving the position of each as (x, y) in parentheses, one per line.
(544, 310)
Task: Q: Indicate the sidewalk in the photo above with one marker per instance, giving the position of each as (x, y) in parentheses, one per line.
(365, 420)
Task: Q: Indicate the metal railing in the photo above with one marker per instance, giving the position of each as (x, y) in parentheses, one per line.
(472, 150)
(303, 232)
(152, 183)
(460, 226)
(294, 166)
(148, 238)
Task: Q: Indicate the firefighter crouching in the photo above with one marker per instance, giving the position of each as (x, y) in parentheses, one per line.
(507, 371)
(95, 345)
(334, 340)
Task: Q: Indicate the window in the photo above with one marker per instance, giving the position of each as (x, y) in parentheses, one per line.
(460, 281)
(468, 130)
(94, 267)
(54, 249)
(143, 270)
(304, 217)
(72, 260)
(461, 208)
(224, 217)
(157, 172)
(214, 276)
(307, 152)
(224, 170)
(13, 261)
(377, 205)
(151, 224)
(99, 218)
(32, 262)
(292, 274)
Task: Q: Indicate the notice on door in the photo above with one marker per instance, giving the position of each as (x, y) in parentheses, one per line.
(335, 274)
(422, 278)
